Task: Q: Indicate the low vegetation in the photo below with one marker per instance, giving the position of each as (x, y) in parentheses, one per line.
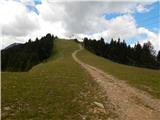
(58, 89)
(142, 78)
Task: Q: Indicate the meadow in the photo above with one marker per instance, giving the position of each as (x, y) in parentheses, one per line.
(56, 89)
(59, 88)
(141, 78)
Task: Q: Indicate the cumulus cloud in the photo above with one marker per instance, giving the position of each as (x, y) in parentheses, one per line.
(123, 27)
(81, 19)
(28, 2)
(22, 25)
(84, 17)
(16, 20)
(151, 36)
(141, 8)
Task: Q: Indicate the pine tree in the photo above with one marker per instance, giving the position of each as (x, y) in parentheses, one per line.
(158, 57)
(101, 47)
(22, 57)
(119, 52)
(137, 53)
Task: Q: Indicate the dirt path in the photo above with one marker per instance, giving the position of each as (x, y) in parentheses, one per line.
(127, 102)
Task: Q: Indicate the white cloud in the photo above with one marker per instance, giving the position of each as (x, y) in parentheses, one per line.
(22, 25)
(83, 17)
(123, 27)
(141, 8)
(151, 36)
(28, 2)
(51, 12)
(16, 21)
(65, 19)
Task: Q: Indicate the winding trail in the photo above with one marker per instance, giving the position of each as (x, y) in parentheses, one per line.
(127, 102)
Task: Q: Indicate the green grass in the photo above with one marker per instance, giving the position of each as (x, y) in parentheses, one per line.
(145, 79)
(58, 89)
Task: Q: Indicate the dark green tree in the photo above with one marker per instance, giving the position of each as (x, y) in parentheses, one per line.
(137, 53)
(158, 57)
(23, 57)
(119, 52)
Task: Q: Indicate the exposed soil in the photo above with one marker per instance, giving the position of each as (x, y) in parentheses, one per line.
(127, 102)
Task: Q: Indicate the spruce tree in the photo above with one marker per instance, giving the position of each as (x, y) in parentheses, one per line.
(158, 56)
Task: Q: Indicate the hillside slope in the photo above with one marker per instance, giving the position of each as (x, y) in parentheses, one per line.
(61, 89)
(145, 79)
(57, 89)
(127, 102)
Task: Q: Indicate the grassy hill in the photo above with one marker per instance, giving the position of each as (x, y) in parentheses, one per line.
(145, 79)
(60, 89)
(57, 89)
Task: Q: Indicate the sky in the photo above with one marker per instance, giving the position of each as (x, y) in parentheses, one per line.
(130, 20)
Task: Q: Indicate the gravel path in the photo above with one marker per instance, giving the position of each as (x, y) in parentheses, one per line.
(127, 102)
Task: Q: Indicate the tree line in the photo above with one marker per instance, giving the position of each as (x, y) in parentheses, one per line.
(117, 51)
(23, 57)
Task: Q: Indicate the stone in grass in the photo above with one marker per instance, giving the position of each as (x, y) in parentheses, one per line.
(7, 108)
(99, 104)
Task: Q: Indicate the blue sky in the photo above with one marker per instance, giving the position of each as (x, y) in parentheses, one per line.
(149, 20)
(37, 1)
(145, 19)
(33, 8)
